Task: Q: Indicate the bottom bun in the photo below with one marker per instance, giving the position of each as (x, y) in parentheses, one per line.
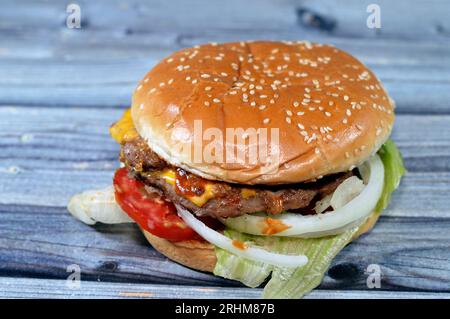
(194, 254)
(200, 255)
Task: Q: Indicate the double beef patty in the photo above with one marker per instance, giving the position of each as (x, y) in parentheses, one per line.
(229, 200)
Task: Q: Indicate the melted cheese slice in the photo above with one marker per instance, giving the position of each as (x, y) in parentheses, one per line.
(169, 176)
(123, 130)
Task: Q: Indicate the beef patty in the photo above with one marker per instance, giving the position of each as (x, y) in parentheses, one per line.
(229, 200)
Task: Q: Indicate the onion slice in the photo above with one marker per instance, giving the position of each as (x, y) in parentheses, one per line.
(252, 253)
(328, 223)
(97, 206)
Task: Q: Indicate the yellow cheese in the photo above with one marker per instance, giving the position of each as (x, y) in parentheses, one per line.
(206, 196)
(247, 193)
(123, 130)
(169, 176)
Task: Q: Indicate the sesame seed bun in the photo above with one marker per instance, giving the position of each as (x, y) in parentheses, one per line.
(201, 256)
(330, 110)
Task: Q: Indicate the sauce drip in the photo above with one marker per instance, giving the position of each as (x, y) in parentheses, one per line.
(188, 184)
(239, 244)
(273, 226)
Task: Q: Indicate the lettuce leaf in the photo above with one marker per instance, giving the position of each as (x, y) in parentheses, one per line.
(296, 282)
(393, 172)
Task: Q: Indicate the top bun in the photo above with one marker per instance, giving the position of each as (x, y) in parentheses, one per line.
(329, 110)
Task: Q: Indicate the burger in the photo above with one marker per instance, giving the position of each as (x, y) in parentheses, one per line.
(257, 161)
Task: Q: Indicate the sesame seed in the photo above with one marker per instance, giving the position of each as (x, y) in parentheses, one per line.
(170, 81)
(139, 87)
(208, 88)
(346, 97)
(206, 103)
(312, 138)
(328, 114)
(266, 120)
(216, 100)
(288, 120)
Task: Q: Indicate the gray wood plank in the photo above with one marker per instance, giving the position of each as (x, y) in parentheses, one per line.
(51, 288)
(112, 83)
(400, 19)
(97, 45)
(98, 69)
(415, 252)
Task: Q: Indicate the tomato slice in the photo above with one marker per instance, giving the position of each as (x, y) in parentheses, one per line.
(156, 215)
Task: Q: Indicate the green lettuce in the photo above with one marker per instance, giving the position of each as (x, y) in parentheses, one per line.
(296, 282)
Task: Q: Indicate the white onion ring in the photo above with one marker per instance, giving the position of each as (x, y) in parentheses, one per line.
(329, 223)
(97, 206)
(249, 252)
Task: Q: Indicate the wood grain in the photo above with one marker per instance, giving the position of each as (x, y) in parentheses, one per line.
(119, 253)
(51, 288)
(60, 89)
(401, 19)
(103, 74)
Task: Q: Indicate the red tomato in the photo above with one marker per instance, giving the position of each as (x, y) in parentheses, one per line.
(155, 215)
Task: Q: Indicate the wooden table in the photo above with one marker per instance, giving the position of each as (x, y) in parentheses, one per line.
(61, 88)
